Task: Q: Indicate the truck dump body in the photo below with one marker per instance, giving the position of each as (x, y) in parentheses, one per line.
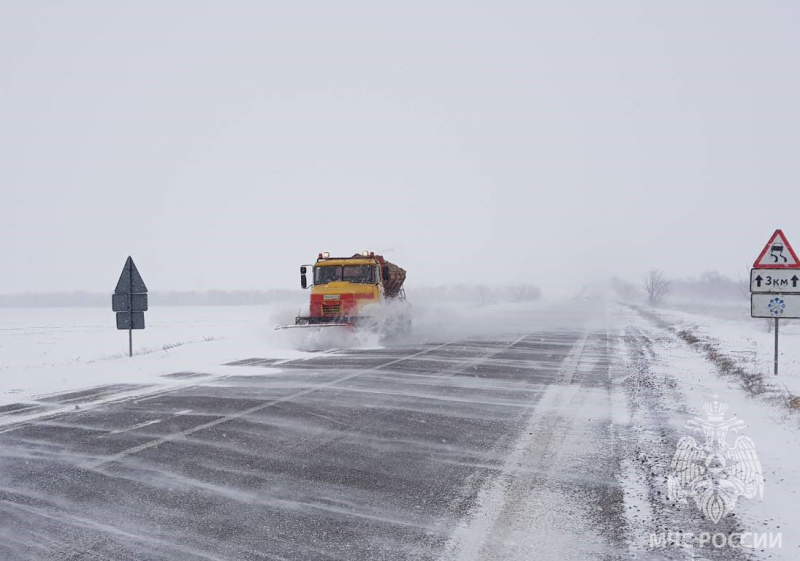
(393, 277)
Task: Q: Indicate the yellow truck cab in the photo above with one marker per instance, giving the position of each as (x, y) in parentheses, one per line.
(343, 286)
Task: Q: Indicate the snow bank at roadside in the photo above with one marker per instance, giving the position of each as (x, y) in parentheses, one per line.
(690, 380)
(45, 351)
(748, 341)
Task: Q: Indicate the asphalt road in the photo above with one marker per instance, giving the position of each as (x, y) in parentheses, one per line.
(481, 448)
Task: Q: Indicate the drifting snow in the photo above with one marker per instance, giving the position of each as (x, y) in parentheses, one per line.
(62, 349)
(51, 350)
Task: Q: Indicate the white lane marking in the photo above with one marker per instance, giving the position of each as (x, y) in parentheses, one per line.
(439, 397)
(16, 422)
(460, 367)
(468, 541)
(574, 359)
(331, 419)
(183, 384)
(134, 427)
(75, 520)
(145, 424)
(257, 408)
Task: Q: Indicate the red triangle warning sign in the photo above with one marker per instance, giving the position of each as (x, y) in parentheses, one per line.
(777, 254)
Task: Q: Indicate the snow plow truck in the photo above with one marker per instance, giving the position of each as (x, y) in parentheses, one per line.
(364, 290)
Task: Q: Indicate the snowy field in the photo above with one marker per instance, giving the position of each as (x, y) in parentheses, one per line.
(58, 349)
(48, 350)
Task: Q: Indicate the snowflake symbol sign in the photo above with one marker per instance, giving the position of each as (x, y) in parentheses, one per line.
(777, 306)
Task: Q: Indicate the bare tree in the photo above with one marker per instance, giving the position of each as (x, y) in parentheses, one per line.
(744, 284)
(525, 293)
(484, 294)
(656, 286)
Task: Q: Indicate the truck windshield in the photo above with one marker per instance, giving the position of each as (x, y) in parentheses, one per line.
(357, 273)
(350, 273)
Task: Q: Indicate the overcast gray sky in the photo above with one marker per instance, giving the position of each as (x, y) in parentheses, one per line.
(222, 144)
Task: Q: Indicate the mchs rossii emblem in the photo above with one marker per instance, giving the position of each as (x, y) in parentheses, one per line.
(714, 473)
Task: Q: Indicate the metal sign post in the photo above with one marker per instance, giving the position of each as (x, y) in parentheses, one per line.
(130, 301)
(774, 284)
(777, 323)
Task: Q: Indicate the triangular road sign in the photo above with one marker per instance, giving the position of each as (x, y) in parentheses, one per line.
(777, 254)
(130, 281)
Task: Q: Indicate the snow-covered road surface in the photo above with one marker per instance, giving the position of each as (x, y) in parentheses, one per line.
(545, 443)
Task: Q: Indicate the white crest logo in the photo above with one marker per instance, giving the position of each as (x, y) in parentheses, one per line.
(714, 473)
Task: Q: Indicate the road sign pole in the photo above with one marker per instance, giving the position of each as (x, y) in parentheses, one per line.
(130, 307)
(777, 323)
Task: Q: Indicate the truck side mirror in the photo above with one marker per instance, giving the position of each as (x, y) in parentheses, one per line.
(303, 270)
(385, 272)
(303, 281)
